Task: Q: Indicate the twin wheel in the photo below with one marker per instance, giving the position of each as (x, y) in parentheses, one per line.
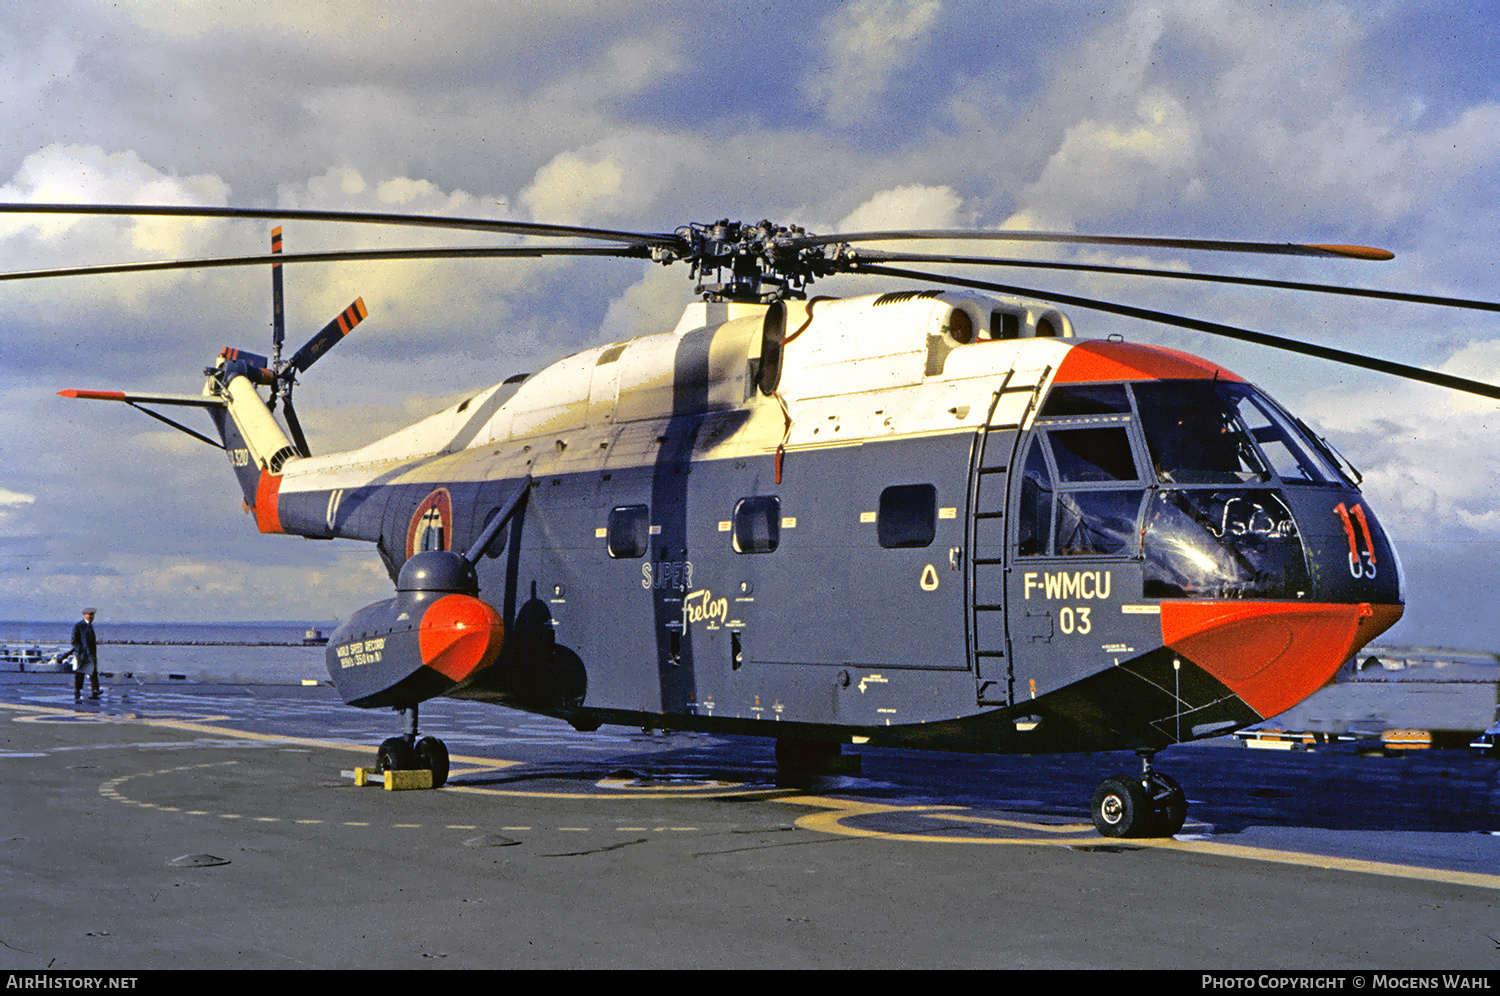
(1144, 805)
(400, 754)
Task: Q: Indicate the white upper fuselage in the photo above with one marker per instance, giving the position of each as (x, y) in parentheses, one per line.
(864, 368)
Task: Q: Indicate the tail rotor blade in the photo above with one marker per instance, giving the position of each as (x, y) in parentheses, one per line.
(278, 315)
(329, 336)
(295, 427)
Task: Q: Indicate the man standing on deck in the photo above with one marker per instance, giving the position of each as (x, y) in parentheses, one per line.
(85, 656)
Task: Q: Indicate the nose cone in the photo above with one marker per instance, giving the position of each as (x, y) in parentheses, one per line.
(460, 636)
(1272, 654)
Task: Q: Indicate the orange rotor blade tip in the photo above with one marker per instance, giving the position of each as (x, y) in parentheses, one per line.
(1358, 252)
(73, 392)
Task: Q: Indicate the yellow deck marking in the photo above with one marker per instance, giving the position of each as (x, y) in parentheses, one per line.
(838, 810)
(1323, 861)
(1019, 825)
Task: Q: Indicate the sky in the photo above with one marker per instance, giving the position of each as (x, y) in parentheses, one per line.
(1371, 123)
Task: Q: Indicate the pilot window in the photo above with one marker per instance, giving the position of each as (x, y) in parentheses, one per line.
(1290, 454)
(907, 516)
(757, 524)
(1097, 522)
(1065, 400)
(629, 531)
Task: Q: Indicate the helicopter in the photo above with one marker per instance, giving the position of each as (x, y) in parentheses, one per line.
(935, 518)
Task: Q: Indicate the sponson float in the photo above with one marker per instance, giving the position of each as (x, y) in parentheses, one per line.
(931, 519)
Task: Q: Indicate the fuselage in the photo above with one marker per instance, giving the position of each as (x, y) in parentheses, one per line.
(928, 519)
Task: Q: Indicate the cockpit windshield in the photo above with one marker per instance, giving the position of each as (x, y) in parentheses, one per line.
(1201, 432)
(1187, 475)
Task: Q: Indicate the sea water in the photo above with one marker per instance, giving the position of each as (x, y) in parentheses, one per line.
(237, 651)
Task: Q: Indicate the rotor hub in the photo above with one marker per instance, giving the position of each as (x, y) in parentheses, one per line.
(760, 263)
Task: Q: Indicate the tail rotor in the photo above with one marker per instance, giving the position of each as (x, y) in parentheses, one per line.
(283, 375)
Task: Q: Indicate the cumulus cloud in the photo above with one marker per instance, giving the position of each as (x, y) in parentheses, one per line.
(866, 43)
(625, 175)
(1105, 166)
(910, 206)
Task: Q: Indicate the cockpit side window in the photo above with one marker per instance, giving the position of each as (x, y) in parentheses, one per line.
(1067, 400)
(1092, 454)
(1035, 519)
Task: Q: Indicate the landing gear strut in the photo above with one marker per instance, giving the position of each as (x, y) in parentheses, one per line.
(1146, 805)
(407, 753)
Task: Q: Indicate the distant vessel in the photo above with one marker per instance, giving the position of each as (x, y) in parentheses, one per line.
(1391, 695)
(314, 638)
(34, 657)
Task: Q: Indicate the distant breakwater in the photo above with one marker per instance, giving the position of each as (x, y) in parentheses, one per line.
(212, 643)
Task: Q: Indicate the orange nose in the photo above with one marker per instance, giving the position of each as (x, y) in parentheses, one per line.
(1272, 654)
(460, 636)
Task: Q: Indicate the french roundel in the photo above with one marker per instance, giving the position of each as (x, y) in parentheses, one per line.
(431, 525)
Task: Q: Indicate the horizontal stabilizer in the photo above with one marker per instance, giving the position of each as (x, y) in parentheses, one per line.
(136, 397)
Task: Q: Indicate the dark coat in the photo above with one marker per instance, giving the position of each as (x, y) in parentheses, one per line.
(85, 648)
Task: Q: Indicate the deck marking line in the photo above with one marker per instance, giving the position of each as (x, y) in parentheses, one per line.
(837, 810)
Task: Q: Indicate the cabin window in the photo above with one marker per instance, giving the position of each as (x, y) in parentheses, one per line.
(629, 531)
(757, 524)
(907, 516)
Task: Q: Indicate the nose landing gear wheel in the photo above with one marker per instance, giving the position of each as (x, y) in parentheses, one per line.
(1168, 805)
(1120, 807)
(1144, 805)
(407, 753)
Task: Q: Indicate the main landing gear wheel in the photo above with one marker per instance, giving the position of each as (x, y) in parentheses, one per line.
(407, 753)
(1144, 805)
(395, 755)
(432, 754)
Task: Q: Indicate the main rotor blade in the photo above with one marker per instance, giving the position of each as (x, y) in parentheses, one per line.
(1214, 245)
(343, 256)
(1213, 328)
(875, 255)
(352, 217)
(329, 336)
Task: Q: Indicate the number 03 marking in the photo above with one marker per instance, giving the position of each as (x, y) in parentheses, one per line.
(1071, 620)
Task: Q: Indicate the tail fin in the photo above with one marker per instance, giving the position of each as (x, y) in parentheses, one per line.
(255, 444)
